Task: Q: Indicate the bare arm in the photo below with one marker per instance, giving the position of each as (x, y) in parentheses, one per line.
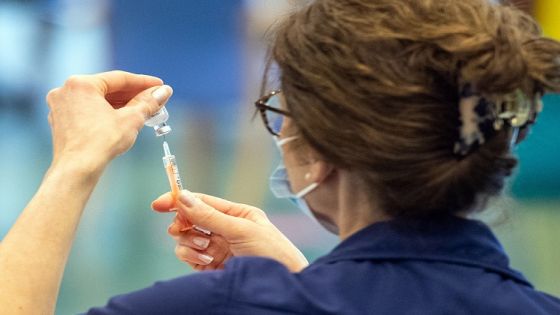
(34, 253)
(93, 119)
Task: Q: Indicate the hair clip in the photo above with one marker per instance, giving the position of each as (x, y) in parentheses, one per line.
(481, 118)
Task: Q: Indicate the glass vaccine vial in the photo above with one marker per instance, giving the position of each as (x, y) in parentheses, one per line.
(159, 122)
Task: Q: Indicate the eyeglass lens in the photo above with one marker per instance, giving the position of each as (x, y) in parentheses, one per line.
(274, 119)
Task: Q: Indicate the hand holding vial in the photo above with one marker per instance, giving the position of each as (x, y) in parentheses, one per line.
(114, 106)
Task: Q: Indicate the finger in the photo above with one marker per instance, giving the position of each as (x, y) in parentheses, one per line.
(180, 225)
(119, 81)
(207, 217)
(191, 255)
(232, 208)
(221, 255)
(215, 265)
(226, 223)
(156, 96)
(197, 267)
(145, 105)
(215, 245)
(164, 203)
(121, 98)
(219, 249)
(194, 239)
(51, 96)
(174, 229)
(225, 260)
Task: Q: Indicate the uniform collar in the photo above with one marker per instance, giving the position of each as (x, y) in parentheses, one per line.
(449, 239)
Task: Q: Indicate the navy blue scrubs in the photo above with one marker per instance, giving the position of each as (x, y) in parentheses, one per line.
(443, 266)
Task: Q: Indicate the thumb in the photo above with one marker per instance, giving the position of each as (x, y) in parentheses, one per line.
(146, 103)
(205, 216)
(164, 203)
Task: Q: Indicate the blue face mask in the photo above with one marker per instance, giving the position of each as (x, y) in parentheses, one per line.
(280, 185)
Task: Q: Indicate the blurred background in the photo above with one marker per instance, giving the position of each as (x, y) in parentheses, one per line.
(212, 53)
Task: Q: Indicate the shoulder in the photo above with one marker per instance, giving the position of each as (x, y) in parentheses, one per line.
(246, 282)
(265, 286)
(254, 285)
(201, 293)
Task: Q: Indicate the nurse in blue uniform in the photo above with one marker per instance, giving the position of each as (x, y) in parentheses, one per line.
(396, 120)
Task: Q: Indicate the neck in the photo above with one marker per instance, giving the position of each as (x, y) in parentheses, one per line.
(356, 213)
(351, 206)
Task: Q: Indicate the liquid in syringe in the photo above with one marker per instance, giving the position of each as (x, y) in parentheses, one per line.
(174, 178)
(172, 171)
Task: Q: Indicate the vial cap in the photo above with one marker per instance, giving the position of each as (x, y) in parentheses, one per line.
(162, 130)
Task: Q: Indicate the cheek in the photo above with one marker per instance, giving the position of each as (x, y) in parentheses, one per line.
(296, 173)
(290, 159)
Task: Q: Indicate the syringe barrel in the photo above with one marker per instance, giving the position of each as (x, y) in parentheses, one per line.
(175, 181)
(172, 171)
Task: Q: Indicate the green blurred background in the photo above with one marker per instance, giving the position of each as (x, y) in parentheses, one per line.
(212, 53)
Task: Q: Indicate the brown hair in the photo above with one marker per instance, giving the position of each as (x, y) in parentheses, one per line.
(373, 86)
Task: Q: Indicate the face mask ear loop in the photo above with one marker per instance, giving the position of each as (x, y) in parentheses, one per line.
(306, 190)
(281, 142)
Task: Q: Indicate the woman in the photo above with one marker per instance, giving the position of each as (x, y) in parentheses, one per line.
(396, 121)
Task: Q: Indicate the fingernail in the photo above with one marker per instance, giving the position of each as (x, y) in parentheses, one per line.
(201, 242)
(187, 198)
(162, 93)
(205, 258)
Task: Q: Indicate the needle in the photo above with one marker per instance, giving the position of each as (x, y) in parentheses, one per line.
(166, 148)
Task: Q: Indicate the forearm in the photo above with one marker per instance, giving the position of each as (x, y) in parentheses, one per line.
(34, 252)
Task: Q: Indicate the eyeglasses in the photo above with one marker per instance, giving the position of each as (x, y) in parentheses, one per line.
(271, 112)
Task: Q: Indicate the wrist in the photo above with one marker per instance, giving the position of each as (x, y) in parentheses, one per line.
(298, 262)
(78, 167)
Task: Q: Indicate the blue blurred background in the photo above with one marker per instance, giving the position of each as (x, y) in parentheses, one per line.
(212, 53)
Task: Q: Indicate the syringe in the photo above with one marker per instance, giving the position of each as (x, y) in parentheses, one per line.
(174, 178)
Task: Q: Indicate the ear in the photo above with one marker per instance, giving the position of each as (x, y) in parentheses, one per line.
(319, 170)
